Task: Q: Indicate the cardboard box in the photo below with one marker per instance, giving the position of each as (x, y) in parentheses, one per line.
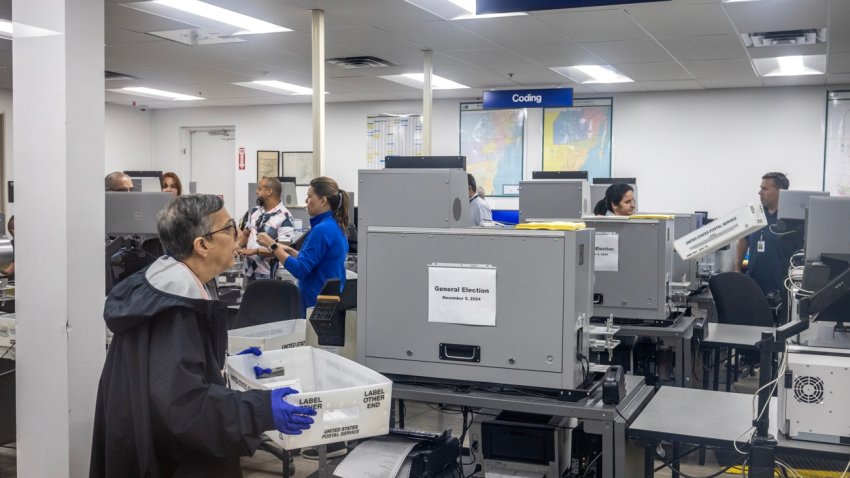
(720, 232)
(272, 336)
(352, 401)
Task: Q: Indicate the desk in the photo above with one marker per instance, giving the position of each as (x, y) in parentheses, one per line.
(728, 336)
(706, 417)
(680, 334)
(598, 418)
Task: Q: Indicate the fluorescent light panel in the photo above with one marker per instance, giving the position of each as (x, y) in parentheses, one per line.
(6, 29)
(247, 25)
(154, 93)
(588, 74)
(796, 65)
(417, 80)
(275, 86)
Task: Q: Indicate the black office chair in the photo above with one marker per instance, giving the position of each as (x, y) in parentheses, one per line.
(740, 301)
(268, 300)
(7, 401)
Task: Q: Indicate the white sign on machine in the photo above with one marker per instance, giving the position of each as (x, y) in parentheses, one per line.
(607, 254)
(462, 294)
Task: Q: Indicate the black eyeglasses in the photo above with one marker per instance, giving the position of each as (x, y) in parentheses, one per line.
(230, 224)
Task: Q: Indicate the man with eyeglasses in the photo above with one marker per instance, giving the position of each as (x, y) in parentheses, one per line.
(270, 216)
(119, 182)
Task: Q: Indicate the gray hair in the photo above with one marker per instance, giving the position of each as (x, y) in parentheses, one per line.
(113, 180)
(184, 219)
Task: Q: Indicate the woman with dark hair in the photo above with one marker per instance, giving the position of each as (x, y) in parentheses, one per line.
(323, 254)
(619, 200)
(170, 183)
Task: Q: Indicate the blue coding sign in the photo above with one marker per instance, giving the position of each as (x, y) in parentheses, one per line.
(548, 98)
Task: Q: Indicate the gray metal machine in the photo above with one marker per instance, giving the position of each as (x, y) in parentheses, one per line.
(554, 199)
(634, 260)
(412, 318)
(537, 332)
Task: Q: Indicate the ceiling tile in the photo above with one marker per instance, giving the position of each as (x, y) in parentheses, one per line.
(730, 82)
(839, 40)
(778, 15)
(794, 80)
(639, 51)
(114, 36)
(716, 69)
(838, 63)
(664, 20)
(713, 47)
(654, 71)
(616, 87)
(118, 16)
(540, 77)
(595, 26)
(370, 40)
(672, 85)
(440, 35)
(478, 78)
(496, 59)
(511, 31)
(558, 54)
(841, 79)
(373, 12)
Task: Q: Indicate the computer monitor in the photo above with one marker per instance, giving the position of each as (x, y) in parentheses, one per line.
(632, 181)
(827, 230)
(559, 175)
(793, 204)
(429, 162)
(828, 255)
(130, 213)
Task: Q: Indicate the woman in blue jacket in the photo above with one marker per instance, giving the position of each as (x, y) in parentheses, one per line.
(323, 254)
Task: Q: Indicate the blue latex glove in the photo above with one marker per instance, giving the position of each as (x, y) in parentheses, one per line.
(258, 371)
(289, 419)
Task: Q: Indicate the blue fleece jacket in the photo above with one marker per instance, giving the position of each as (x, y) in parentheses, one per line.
(322, 257)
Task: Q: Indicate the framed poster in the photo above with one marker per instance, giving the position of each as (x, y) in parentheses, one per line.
(493, 143)
(298, 164)
(268, 164)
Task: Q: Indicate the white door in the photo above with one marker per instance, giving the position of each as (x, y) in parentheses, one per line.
(212, 163)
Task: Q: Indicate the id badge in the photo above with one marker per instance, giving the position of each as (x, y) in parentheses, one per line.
(760, 246)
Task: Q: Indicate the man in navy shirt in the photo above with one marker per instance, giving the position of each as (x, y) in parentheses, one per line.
(769, 249)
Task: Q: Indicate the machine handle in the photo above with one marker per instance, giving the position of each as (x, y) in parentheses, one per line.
(460, 352)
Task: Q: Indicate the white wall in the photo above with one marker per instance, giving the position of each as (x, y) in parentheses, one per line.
(690, 150)
(128, 139)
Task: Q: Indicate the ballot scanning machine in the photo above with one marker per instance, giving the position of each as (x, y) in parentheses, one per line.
(483, 305)
(554, 198)
(633, 268)
(440, 301)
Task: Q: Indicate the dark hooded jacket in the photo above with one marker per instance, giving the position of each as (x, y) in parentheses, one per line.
(162, 405)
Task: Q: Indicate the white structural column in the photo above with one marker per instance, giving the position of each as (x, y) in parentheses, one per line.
(427, 101)
(319, 92)
(58, 133)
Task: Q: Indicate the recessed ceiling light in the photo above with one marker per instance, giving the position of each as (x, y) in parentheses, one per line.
(154, 93)
(275, 86)
(586, 74)
(469, 6)
(199, 11)
(417, 80)
(6, 29)
(796, 65)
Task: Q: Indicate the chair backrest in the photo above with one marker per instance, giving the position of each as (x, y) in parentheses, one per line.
(268, 300)
(7, 401)
(740, 300)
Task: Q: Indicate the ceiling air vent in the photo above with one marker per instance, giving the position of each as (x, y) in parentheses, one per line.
(361, 62)
(788, 37)
(114, 75)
